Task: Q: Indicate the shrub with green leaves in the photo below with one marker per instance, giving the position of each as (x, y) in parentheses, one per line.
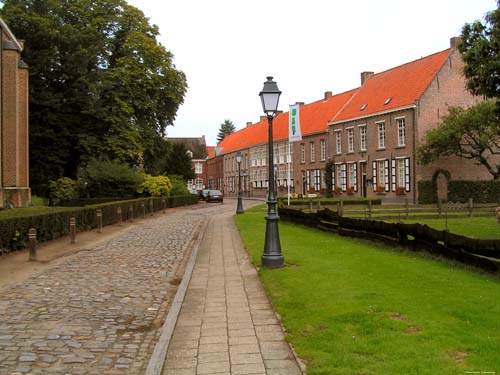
(62, 189)
(155, 186)
(105, 178)
(179, 186)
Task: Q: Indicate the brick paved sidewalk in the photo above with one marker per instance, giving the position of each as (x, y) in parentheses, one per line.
(226, 324)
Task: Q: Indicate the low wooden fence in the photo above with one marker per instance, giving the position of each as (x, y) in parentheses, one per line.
(405, 211)
(484, 254)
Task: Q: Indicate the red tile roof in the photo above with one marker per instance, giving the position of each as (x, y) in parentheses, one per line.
(210, 151)
(313, 119)
(400, 86)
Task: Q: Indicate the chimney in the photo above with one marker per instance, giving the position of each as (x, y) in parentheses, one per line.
(249, 123)
(365, 76)
(279, 112)
(328, 95)
(299, 103)
(263, 118)
(454, 42)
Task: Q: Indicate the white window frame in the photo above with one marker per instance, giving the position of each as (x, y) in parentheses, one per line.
(322, 145)
(401, 123)
(362, 137)
(338, 141)
(350, 139)
(313, 151)
(302, 152)
(381, 134)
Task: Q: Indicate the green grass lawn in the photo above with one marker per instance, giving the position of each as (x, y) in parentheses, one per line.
(355, 307)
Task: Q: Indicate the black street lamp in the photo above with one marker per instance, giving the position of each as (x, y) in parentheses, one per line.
(239, 209)
(272, 257)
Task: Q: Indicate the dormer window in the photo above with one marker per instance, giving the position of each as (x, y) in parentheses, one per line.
(363, 107)
(387, 101)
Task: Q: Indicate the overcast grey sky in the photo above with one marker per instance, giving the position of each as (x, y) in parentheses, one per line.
(228, 47)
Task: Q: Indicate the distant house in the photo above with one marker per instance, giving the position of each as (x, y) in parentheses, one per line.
(14, 161)
(198, 151)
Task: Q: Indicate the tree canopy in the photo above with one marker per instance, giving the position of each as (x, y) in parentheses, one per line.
(472, 133)
(100, 83)
(480, 49)
(226, 128)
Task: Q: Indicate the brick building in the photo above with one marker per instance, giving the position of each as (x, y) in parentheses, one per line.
(370, 133)
(14, 161)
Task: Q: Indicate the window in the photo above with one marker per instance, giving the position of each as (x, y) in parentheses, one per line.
(338, 141)
(317, 180)
(401, 173)
(313, 151)
(352, 177)
(381, 134)
(350, 140)
(381, 175)
(302, 153)
(362, 138)
(401, 131)
(322, 145)
(198, 168)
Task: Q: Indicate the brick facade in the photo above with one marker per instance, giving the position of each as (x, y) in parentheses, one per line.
(14, 162)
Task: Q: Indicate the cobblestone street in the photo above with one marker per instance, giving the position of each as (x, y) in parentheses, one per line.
(101, 310)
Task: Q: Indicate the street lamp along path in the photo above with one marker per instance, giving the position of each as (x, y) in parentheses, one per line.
(239, 158)
(272, 257)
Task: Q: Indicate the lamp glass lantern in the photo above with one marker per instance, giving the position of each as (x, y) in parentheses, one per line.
(270, 96)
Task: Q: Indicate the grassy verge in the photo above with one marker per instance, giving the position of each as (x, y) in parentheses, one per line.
(354, 307)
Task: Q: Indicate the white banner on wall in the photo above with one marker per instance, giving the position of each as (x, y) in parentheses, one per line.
(294, 133)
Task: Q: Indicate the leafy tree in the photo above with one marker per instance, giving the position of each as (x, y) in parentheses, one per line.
(179, 162)
(226, 128)
(156, 157)
(472, 133)
(480, 49)
(100, 83)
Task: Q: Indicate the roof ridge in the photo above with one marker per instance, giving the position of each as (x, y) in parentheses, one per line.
(346, 103)
(410, 62)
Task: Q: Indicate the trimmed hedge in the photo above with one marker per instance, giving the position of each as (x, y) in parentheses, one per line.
(328, 201)
(49, 226)
(479, 191)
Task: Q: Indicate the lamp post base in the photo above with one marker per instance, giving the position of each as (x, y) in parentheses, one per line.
(272, 257)
(239, 209)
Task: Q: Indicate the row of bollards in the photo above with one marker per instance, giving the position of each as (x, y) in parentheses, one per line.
(32, 244)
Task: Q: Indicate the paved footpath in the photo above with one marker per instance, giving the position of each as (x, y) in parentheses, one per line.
(103, 311)
(226, 324)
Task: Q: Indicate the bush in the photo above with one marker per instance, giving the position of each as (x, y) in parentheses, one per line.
(179, 186)
(102, 179)
(62, 189)
(155, 186)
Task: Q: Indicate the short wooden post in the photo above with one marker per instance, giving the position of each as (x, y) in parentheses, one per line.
(119, 215)
(32, 243)
(341, 208)
(407, 210)
(471, 206)
(72, 229)
(439, 207)
(143, 209)
(310, 206)
(370, 209)
(99, 220)
(163, 205)
(151, 208)
(131, 213)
